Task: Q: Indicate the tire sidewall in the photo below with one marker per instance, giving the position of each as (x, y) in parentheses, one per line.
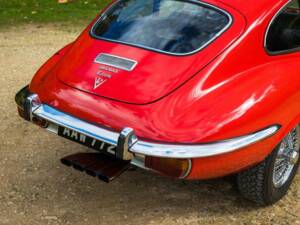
(272, 193)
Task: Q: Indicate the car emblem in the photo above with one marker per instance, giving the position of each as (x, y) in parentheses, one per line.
(98, 82)
(109, 69)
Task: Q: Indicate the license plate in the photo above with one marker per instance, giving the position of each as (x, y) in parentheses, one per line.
(86, 140)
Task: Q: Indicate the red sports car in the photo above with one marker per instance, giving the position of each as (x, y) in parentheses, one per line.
(187, 88)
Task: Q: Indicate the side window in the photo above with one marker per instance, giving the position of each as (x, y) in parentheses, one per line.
(284, 32)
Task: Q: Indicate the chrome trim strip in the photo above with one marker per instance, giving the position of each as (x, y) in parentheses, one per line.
(53, 128)
(187, 173)
(139, 161)
(30, 104)
(180, 151)
(126, 139)
(62, 119)
(101, 60)
(230, 22)
(201, 150)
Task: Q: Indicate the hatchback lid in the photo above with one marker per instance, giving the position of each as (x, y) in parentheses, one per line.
(139, 52)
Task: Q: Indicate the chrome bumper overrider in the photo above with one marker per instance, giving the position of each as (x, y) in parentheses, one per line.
(128, 144)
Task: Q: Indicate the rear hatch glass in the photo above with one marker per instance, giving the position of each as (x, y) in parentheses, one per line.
(171, 26)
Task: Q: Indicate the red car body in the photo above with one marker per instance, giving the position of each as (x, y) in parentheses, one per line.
(231, 88)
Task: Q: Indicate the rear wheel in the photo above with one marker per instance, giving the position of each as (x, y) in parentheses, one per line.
(268, 182)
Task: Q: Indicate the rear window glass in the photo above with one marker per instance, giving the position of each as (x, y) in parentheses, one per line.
(284, 32)
(172, 26)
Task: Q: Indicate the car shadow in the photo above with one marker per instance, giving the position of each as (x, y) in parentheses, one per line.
(71, 195)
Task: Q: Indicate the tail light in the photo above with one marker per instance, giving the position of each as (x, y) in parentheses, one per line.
(178, 168)
(40, 122)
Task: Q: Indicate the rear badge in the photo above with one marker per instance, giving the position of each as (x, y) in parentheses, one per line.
(98, 82)
(109, 69)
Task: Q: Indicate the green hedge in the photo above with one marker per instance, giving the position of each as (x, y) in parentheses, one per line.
(47, 11)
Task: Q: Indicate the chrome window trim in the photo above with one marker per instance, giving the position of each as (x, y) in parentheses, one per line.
(230, 22)
(275, 53)
(163, 150)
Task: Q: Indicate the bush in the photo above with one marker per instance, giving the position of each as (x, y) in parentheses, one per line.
(14, 12)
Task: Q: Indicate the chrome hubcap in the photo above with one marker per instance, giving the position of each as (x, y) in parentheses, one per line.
(287, 158)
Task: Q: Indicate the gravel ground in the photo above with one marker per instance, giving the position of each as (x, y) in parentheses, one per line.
(36, 189)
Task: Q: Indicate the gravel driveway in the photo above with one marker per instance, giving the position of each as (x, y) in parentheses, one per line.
(36, 189)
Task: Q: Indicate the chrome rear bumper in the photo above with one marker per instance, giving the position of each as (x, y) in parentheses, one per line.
(127, 142)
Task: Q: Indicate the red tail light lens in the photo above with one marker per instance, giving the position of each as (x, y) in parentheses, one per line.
(40, 122)
(178, 168)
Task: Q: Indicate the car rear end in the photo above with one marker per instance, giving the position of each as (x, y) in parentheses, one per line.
(102, 90)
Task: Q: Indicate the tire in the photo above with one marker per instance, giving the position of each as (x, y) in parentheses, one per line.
(269, 181)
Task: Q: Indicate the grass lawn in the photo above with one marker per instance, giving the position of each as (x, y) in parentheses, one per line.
(13, 12)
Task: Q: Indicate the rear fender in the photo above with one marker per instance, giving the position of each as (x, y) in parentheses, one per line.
(41, 75)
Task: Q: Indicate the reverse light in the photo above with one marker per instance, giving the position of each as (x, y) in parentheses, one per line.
(178, 168)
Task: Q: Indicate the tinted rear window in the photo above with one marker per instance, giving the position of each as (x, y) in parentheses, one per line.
(284, 32)
(172, 26)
